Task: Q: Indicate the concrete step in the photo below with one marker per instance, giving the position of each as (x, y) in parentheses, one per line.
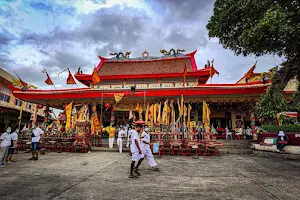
(225, 150)
(269, 154)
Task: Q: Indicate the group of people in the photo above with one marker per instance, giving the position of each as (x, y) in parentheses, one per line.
(9, 142)
(239, 133)
(139, 149)
(8, 145)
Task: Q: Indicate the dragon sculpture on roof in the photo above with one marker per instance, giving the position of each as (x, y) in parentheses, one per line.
(16, 82)
(126, 55)
(167, 53)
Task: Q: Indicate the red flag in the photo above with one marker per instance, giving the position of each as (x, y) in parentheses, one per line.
(95, 77)
(70, 79)
(48, 81)
(22, 82)
(212, 70)
(184, 74)
(250, 72)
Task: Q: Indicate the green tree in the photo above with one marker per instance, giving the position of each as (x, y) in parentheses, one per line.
(271, 103)
(260, 27)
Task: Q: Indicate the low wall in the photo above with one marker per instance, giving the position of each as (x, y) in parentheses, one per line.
(294, 138)
(272, 148)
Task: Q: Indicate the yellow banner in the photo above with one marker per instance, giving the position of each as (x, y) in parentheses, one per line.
(118, 97)
(189, 113)
(206, 116)
(181, 105)
(68, 116)
(147, 113)
(21, 109)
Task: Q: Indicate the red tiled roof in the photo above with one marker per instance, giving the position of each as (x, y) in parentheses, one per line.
(161, 66)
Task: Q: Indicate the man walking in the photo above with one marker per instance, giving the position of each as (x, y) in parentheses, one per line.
(5, 139)
(137, 156)
(145, 145)
(36, 133)
(13, 146)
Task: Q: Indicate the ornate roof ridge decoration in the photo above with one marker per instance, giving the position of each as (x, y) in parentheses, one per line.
(80, 90)
(166, 54)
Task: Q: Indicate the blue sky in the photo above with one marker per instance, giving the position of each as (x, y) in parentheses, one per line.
(59, 33)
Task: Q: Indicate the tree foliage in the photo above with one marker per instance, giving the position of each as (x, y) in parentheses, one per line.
(260, 27)
(270, 104)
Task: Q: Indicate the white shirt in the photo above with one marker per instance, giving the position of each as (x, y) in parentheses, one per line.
(249, 131)
(37, 134)
(146, 138)
(227, 131)
(121, 133)
(129, 134)
(14, 136)
(134, 136)
(6, 140)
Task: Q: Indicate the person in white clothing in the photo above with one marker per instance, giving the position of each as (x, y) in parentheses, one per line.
(128, 137)
(5, 139)
(36, 133)
(136, 152)
(121, 134)
(145, 145)
(13, 145)
(249, 133)
(228, 133)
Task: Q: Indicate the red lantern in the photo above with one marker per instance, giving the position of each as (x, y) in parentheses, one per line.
(40, 106)
(107, 105)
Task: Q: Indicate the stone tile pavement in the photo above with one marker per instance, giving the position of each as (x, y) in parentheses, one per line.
(104, 175)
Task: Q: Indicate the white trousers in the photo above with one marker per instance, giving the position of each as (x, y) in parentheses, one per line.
(3, 154)
(148, 154)
(111, 142)
(128, 143)
(120, 144)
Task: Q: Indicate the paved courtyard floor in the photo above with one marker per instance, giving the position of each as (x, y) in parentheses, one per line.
(104, 175)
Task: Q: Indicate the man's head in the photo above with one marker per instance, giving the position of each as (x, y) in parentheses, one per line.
(146, 128)
(138, 127)
(8, 130)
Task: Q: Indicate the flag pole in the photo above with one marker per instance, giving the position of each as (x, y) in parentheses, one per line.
(20, 117)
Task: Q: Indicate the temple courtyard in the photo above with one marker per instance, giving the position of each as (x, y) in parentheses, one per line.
(104, 175)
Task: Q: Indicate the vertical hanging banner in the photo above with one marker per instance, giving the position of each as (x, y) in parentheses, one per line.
(206, 116)
(252, 118)
(68, 110)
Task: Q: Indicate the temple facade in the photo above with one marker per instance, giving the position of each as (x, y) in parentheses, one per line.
(149, 79)
(10, 106)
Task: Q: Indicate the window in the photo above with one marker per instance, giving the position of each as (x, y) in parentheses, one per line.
(28, 106)
(4, 97)
(18, 102)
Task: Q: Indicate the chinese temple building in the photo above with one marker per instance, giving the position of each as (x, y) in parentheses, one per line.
(149, 79)
(10, 106)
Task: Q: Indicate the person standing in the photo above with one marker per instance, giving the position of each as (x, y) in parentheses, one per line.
(228, 133)
(13, 146)
(111, 139)
(146, 149)
(121, 134)
(136, 152)
(36, 133)
(5, 139)
(128, 137)
(249, 133)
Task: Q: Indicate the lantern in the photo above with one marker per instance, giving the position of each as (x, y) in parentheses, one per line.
(107, 105)
(40, 106)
